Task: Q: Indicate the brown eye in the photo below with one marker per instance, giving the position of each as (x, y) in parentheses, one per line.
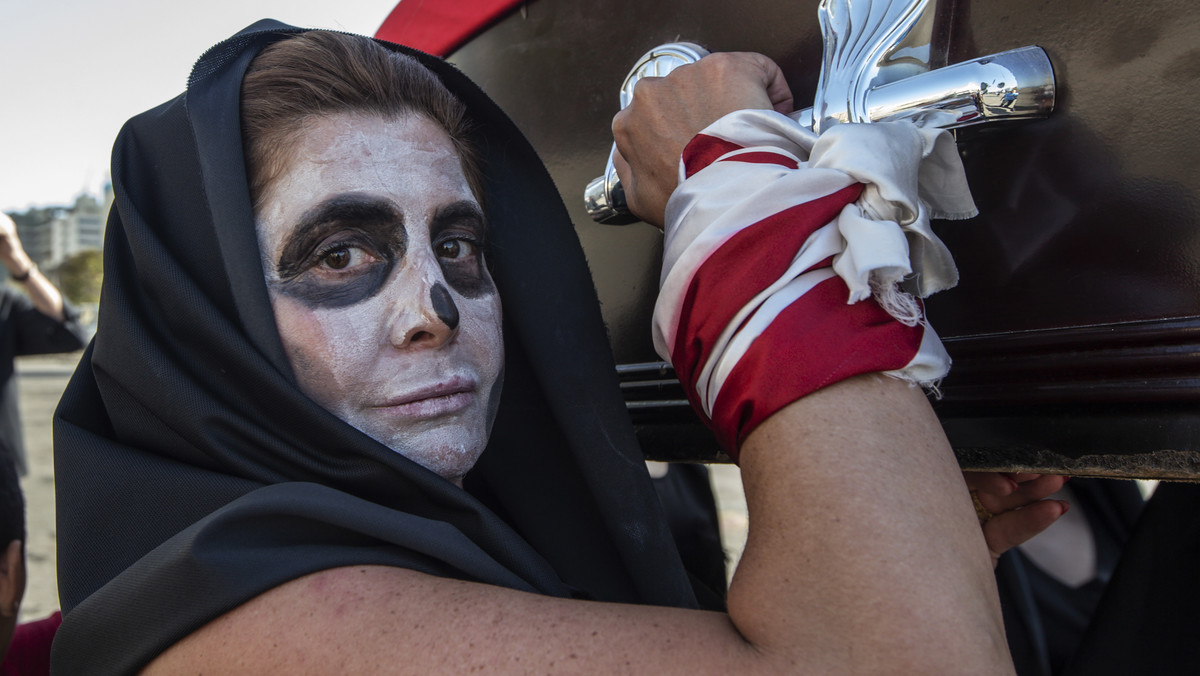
(338, 258)
(345, 257)
(455, 248)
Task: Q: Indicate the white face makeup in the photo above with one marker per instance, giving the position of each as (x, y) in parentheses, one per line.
(372, 250)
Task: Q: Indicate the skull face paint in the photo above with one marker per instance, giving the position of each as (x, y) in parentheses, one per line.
(443, 305)
(372, 248)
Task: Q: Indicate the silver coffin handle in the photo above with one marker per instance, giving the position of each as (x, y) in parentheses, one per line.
(1014, 85)
(604, 198)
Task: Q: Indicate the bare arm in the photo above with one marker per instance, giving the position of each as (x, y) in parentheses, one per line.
(864, 553)
(42, 293)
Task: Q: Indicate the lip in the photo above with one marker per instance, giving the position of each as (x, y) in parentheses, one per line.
(450, 396)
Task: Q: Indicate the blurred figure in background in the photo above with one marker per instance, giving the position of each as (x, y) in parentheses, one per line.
(38, 323)
(1109, 589)
(1050, 587)
(29, 652)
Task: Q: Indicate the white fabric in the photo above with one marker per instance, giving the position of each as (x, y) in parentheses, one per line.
(910, 173)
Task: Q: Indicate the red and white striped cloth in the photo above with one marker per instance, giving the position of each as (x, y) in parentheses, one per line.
(793, 261)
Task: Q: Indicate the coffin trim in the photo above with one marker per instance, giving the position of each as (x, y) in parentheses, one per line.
(1115, 400)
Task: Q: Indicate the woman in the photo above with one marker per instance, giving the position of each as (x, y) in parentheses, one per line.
(268, 442)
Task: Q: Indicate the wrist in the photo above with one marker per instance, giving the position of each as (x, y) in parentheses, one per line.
(22, 273)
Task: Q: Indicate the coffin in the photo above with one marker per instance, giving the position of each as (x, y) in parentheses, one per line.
(1075, 330)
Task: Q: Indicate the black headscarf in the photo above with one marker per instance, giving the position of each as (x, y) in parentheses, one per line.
(193, 475)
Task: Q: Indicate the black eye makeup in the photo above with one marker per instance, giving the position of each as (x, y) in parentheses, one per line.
(341, 251)
(443, 305)
(457, 237)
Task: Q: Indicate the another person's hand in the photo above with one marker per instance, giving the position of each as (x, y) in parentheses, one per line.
(12, 254)
(1017, 506)
(9, 242)
(666, 113)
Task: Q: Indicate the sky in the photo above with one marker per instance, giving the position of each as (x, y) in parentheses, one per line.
(73, 71)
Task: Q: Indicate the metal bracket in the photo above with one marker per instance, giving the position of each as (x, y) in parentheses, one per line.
(875, 69)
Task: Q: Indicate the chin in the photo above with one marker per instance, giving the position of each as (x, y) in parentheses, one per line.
(448, 458)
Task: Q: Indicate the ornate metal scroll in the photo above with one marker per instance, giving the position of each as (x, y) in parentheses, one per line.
(876, 67)
(865, 42)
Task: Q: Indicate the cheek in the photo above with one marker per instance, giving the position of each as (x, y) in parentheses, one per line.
(327, 350)
(481, 320)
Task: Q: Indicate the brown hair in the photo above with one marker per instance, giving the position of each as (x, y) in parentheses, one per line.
(319, 73)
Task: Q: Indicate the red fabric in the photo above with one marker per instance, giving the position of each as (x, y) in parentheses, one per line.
(763, 157)
(816, 341)
(439, 27)
(745, 265)
(703, 150)
(29, 652)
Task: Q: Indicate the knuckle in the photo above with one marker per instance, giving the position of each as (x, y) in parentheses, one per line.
(647, 87)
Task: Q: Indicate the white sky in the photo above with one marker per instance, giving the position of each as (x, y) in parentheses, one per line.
(72, 72)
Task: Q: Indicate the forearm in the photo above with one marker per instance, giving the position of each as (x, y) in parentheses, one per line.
(864, 554)
(780, 306)
(863, 557)
(44, 296)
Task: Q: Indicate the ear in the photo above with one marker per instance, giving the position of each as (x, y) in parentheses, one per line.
(12, 578)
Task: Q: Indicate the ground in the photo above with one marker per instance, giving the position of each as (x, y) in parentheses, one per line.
(41, 381)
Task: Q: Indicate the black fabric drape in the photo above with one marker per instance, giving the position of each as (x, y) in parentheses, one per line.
(1045, 619)
(1148, 621)
(192, 475)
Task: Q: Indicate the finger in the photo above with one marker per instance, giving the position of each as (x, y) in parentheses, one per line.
(1007, 530)
(621, 166)
(993, 483)
(648, 207)
(625, 176)
(1028, 491)
(1032, 491)
(1022, 477)
(776, 85)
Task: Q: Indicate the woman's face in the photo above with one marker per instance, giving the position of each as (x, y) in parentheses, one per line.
(372, 251)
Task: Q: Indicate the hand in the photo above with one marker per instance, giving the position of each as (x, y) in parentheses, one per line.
(666, 113)
(12, 254)
(1018, 505)
(8, 235)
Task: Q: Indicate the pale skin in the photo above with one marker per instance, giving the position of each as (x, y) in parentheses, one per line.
(864, 552)
(372, 231)
(12, 589)
(42, 293)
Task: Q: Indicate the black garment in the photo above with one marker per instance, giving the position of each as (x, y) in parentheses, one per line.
(23, 331)
(1148, 621)
(687, 497)
(193, 475)
(1144, 620)
(1045, 620)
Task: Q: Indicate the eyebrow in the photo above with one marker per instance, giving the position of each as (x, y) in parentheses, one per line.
(357, 209)
(456, 212)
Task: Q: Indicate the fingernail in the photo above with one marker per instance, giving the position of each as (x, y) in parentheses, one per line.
(1065, 505)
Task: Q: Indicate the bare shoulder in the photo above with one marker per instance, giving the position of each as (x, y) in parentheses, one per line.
(375, 619)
